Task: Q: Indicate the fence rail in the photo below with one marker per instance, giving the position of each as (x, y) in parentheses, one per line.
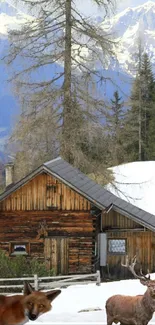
(54, 281)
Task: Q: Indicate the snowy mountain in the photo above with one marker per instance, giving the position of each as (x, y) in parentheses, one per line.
(135, 183)
(126, 27)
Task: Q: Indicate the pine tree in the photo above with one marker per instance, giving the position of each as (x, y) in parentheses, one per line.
(151, 130)
(133, 124)
(139, 116)
(147, 89)
(114, 125)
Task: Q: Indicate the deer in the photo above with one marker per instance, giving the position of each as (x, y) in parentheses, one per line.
(132, 310)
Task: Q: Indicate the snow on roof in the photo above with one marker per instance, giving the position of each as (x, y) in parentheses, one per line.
(135, 183)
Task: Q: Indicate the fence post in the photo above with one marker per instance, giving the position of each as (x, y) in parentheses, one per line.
(36, 286)
(98, 280)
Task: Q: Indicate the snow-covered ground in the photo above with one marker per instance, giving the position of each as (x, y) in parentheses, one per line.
(75, 298)
(135, 183)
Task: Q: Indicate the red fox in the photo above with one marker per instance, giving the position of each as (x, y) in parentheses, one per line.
(19, 309)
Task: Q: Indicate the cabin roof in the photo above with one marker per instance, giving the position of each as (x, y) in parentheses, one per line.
(95, 193)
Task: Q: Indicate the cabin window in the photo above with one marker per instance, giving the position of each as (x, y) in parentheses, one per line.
(117, 246)
(19, 249)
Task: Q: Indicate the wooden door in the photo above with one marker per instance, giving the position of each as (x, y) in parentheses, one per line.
(143, 250)
(56, 254)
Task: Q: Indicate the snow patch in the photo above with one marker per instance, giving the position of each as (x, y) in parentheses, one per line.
(135, 183)
(74, 298)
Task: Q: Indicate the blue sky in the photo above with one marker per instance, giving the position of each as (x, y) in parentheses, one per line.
(88, 8)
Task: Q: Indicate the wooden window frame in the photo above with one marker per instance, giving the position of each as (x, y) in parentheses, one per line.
(12, 252)
(117, 253)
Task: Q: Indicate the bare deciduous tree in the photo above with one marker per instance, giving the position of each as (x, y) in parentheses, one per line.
(74, 49)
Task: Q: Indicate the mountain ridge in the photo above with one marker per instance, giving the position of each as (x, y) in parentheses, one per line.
(127, 27)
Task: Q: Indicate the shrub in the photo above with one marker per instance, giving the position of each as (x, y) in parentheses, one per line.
(20, 266)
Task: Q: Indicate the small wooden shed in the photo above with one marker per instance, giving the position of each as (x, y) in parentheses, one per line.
(60, 216)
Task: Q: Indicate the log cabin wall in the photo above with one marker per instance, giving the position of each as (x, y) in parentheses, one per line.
(139, 241)
(43, 193)
(46, 208)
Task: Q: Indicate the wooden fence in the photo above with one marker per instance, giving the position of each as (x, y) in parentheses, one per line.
(50, 282)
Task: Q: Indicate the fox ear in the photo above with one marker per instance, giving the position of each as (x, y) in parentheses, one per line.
(27, 288)
(51, 295)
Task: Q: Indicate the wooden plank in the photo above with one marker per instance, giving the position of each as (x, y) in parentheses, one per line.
(64, 255)
(47, 253)
(54, 255)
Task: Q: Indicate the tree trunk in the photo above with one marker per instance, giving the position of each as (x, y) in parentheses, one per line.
(140, 102)
(67, 107)
(140, 127)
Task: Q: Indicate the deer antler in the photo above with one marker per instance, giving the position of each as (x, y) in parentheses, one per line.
(131, 269)
(144, 276)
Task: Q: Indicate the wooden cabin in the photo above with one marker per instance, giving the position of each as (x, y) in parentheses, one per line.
(60, 216)
(126, 237)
